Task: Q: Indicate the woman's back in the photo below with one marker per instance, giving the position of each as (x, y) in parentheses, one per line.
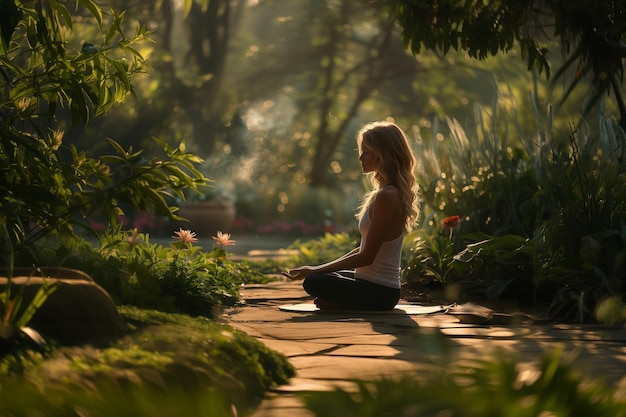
(389, 210)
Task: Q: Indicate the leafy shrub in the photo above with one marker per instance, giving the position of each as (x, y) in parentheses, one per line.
(181, 277)
(197, 286)
(550, 215)
(431, 254)
(50, 84)
(509, 266)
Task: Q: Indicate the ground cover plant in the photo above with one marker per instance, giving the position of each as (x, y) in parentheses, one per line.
(179, 277)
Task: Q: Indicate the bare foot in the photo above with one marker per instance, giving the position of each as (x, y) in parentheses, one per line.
(327, 305)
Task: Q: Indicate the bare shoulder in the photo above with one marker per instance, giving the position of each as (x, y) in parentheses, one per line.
(389, 197)
(388, 194)
(387, 212)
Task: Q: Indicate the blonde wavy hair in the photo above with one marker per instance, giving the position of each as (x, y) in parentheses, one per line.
(395, 165)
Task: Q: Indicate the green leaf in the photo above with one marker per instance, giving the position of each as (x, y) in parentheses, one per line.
(94, 9)
(118, 148)
(63, 12)
(40, 298)
(157, 201)
(115, 26)
(120, 71)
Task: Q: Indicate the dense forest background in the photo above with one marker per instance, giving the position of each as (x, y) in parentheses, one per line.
(271, 93)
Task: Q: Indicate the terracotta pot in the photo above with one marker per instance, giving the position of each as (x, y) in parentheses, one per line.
(206, 218)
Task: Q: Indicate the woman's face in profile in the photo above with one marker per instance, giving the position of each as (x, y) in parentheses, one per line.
(368, 159)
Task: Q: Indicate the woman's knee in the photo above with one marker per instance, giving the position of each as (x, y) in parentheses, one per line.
(310, 283)
(318, 284)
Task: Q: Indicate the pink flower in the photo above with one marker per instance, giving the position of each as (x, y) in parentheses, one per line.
(185, 236)
(134, 239)
(223, 239)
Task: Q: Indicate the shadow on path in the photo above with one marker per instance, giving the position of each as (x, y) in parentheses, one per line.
(391, 335)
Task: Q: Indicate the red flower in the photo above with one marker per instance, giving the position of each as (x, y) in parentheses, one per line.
(451, 222)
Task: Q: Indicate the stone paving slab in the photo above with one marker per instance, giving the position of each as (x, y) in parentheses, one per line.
(328, 367)
(292, 349)
(283, 405)
(334, 349)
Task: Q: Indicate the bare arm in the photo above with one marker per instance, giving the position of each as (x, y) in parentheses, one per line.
(386, 215)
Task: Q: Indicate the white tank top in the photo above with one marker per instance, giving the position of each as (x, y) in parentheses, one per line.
(385, 270)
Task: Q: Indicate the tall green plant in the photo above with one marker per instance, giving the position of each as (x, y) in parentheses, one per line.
(583, 193)
(550, 212)
(582, 184)
(14, 318)
(479, 173)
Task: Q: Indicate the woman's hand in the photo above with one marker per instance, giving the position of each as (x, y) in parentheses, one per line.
(299, 273)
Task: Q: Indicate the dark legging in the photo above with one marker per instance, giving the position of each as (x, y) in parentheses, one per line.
(342, 288)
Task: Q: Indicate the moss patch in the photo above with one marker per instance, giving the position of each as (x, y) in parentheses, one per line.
(191, 366)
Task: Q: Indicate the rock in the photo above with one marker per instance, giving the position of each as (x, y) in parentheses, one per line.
(50, 271)
(78, 312)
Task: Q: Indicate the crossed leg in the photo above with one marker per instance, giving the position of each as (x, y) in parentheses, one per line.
(341, 290)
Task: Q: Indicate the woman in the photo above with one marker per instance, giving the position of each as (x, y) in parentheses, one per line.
(368, 277)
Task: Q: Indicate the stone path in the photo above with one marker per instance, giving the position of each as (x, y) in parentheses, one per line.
(330, 350)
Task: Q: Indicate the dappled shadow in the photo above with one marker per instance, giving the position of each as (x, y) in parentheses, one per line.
(332, 343)
(440, 339)
(394, 335)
